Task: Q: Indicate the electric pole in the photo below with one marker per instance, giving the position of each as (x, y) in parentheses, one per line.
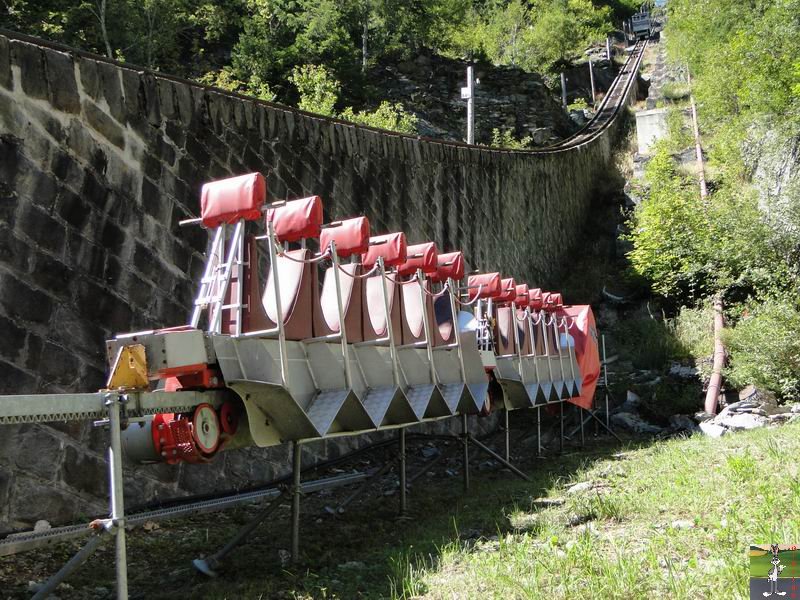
(468, 94)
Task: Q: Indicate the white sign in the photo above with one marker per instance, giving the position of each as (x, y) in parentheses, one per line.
(465, 95)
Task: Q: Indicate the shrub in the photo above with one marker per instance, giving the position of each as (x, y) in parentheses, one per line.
(387, 116)
(319, 90)
(505, 139)
(694, 331)
(765, 347)
(675, 90)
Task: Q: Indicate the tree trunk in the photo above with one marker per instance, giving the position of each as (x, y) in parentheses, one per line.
(364, 36)
(101, 16)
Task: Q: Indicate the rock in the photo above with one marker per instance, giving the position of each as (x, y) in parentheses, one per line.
(712, 429)
(284, 557)
(579, 488)
(430, 452)
(41, 525)
(755, 394)
(684, 372)
(702, 416)
(633, 422)
(780, 417)
(682, 524)
(796, 408)
(742, 421)
(547, 502)
(682, 423)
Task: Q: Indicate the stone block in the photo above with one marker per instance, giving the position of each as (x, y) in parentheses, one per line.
(51, 274)
(14, 252)
(58, 365)
(14, 380)
(66, 169)
(166, 98)
(72, 208)
(85, 472)
(5, 64)
(111, 86)
(104, 124)
(48, 233)
(69, 329)
(39, 452)
(62, 86)
(90, 77)
(30, 60)
(93, 191)
(20, 300)
(12, 342)
(33, 501)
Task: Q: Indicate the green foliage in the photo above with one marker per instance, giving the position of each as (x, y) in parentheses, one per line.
(579, 104)
(506, 139)
(645, 342)
(226, 80)
(693, 329)
(679, 136)
(765, 346)
(675, 90)
(318, 89)
(392, 117)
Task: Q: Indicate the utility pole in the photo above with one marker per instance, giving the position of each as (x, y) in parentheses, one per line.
(608, 53)
(564, 91)
(698, 148)
(468, 94)
(591, 79)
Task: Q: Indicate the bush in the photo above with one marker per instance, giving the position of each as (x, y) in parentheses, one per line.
(319, 90)
(646, 342)
(676, 90)
(765, 347)
(505, 139)
(694, 331)
(392, 117)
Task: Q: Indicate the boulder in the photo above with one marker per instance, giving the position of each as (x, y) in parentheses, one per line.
(712, 429)
(633, 422)
(741, 421)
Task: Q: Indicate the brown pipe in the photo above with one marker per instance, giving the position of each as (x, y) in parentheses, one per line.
(715, 384)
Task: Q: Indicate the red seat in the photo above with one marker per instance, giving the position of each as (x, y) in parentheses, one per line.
(392, 247)
(295, 220)
(506, 316)
(351, 238)
(420, 256)
(536, 304)
(230, 200)
(449, 266)
(523, 334)
(484, 285)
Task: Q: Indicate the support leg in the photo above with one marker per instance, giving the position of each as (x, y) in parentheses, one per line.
(465, 441)
(402, 436)
(76, 561)
(497, 457)
(296, 464)
(508, 436)
(208, 565)
(561, 426)
(113, 403)
(538, 431)
(580, 418)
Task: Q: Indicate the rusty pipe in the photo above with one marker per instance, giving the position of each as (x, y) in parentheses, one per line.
(715, 384)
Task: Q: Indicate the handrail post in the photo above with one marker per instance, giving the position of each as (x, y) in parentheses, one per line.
(389, 328)
(426, 324)
(273, 259)
(348, 375)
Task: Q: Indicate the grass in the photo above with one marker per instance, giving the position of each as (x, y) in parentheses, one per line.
(670, 519)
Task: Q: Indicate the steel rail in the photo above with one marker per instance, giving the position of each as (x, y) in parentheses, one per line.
(23, 542)
(48, 408)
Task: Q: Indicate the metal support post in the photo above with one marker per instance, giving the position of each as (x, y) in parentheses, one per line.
(605, 380)
(113, 403)
(465, 441)
(580, 418)
(468, 94)
(402, 436)
(564, 91)
(561, 426)
(507, 436)
(538, 431)
(296, 464)
(591, 80)
(608, 54)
